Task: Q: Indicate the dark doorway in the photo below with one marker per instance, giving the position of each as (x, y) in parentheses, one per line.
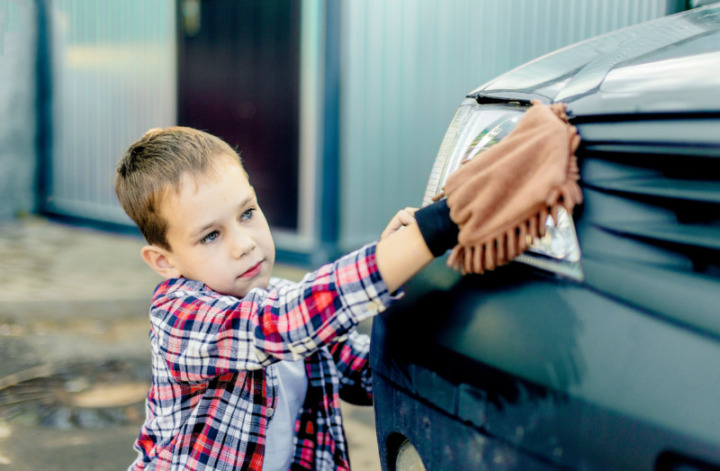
(238, 78)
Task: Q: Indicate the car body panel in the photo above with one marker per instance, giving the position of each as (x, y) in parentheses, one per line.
(627, 71)
(535, 357)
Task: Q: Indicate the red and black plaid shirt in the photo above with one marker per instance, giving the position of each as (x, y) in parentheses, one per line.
(213, 387)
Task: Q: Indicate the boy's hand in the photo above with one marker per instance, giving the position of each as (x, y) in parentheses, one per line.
(401, 219)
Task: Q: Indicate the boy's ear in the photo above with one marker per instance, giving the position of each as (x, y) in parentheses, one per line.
(159, 261)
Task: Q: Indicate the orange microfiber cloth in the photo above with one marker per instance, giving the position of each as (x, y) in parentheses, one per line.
(501, 198)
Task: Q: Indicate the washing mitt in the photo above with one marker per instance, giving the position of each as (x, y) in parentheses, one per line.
(501, 198)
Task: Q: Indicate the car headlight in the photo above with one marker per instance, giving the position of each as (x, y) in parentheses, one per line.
(477, 127)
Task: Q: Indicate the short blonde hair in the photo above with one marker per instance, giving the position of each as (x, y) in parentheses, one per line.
(154, 164)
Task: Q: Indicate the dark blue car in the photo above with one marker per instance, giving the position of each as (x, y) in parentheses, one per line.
(600, 348)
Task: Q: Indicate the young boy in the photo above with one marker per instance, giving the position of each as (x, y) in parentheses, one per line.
(248, 370)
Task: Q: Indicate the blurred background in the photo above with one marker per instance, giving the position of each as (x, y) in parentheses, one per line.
(337, 107)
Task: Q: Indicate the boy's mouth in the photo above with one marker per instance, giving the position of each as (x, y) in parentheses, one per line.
(252, 272)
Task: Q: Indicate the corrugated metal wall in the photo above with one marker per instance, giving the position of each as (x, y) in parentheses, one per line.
(114, 76)
(406, 65)
(18, 97)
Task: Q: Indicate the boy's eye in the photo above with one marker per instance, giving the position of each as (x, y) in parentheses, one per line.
(210, 237)
(247, 215)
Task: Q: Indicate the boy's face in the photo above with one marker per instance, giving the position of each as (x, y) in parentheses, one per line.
(217, 233)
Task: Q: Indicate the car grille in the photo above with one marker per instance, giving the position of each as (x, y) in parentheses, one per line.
(650, 226)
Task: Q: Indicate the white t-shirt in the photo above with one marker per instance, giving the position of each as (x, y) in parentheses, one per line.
(279, 442)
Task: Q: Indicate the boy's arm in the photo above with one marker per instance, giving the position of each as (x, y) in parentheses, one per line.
(403, 253)
(351, 357)
(202, 334)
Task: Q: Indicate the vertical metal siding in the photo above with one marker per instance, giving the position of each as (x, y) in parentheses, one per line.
(406, 64)
(114, 78)
(18, 98)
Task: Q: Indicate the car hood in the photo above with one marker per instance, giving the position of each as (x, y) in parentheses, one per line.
(668, 65)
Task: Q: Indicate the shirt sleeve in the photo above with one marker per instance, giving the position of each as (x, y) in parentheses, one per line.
(351, 358)
(202, 334)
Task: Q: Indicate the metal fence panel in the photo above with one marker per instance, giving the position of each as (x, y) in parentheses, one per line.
(114, 75)
(17, 107)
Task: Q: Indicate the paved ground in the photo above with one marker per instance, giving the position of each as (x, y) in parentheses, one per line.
(74, 354)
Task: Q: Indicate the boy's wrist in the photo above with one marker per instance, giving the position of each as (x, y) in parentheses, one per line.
(438, 230)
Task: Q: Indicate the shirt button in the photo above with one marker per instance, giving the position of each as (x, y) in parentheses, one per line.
(270, 411)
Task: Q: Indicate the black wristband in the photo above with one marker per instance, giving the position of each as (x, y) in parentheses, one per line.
(438, 230)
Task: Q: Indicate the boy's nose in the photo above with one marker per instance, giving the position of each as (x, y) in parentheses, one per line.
(241, 244)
